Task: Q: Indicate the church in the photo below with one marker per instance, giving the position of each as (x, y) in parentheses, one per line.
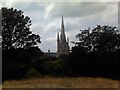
(62, 42)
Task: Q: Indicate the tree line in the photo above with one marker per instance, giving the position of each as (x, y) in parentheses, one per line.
(95, 54)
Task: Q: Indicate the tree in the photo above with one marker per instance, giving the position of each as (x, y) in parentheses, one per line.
(16, 30)
(96, 53)
(99, 38)
(18, 44)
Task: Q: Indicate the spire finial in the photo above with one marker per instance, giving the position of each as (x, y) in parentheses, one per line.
(62, 36)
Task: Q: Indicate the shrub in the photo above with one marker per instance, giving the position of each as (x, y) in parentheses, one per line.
(32, 73)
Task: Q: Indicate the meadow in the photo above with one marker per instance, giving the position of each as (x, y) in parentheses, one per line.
(62, 82)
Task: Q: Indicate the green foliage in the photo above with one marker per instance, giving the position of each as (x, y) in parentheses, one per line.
(99, 38)
(12, 70)
(96, 53)
(32, 73)
(53, 67)
(19, 49)
(16, 30)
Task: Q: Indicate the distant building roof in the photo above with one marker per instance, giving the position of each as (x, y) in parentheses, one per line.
(51, 54)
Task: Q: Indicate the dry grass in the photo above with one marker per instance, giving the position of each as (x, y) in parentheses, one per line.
(52, 82)
(0, 86)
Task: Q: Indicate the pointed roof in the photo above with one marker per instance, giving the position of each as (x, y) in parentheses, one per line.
(62, 20)
(63, 38)
(58, 36)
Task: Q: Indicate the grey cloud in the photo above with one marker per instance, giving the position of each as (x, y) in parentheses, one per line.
(29, 6)
(37, 28)
(48, 44)
(78, 9)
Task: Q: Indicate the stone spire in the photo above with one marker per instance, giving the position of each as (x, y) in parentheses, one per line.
(62, 36)
(58, 37)
(62, 43)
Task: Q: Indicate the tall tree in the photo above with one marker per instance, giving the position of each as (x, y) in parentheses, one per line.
(16, 30)
(96, 53)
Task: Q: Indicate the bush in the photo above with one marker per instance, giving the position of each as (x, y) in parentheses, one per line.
(54, 67)
(12, 70)
(32, 73)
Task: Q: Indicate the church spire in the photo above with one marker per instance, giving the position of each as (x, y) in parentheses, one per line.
(63, 38)
(62, 21)
(58, 37)
(62, 43)
(62, 26)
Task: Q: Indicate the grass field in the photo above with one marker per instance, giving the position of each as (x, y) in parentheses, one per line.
(52, 82)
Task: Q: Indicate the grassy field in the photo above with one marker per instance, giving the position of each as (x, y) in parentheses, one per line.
(52, 82)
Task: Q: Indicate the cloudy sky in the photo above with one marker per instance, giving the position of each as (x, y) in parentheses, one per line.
(46, 17)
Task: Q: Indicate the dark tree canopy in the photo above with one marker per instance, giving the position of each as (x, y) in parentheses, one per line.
(99, 38)
(16, 30)
(96, 54)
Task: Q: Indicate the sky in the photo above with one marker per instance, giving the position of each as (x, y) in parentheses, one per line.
(46, 17)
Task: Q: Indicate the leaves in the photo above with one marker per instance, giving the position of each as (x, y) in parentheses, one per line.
(99, 38)
(16, 30)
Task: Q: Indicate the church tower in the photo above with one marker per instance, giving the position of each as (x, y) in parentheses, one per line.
(62, 43)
